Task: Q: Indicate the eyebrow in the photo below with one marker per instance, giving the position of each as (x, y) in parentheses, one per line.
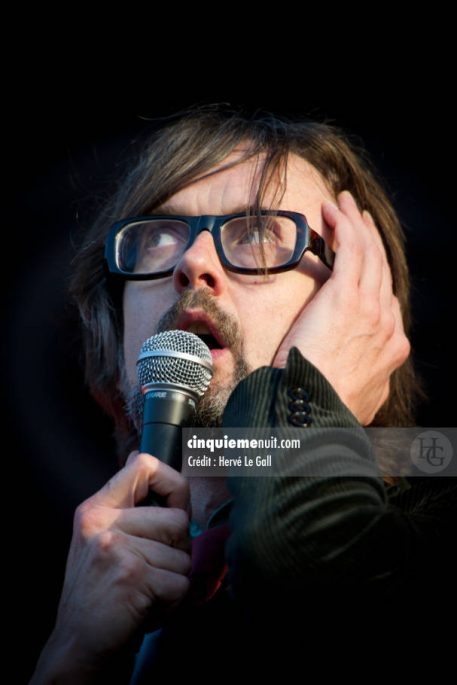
(171, 209)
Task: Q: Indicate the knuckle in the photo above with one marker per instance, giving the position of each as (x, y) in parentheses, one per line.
(105, 543)
(145, 463)
(403, 348)
(142, 601)
(130, 569)
(185, 562)
(88, 520)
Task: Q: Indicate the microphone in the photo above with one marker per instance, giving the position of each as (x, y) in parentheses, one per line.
(174, 369)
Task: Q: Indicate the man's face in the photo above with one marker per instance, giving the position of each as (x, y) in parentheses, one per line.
(252, 313)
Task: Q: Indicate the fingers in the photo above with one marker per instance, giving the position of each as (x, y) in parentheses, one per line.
(115, 546)
(141, 474)
(349, 248)
(165, 586)
(168, 526)
(399, 344)
(371, 273)
(158, 555)
(361, 258)
(386, 292)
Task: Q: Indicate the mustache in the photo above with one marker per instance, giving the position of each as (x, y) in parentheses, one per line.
(204, 300)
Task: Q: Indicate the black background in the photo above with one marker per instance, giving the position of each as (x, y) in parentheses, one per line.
(64, 158)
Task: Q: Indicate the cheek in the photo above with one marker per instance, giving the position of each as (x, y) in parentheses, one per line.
(133, 334)
(141, 315)
(268, 311)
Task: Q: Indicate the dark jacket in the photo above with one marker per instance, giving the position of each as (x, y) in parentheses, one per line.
(334, 567)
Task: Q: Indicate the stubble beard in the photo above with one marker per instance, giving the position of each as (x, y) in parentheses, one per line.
(210, 407)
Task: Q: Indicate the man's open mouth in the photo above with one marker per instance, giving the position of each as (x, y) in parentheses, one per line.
(205, 334)
(199, 324)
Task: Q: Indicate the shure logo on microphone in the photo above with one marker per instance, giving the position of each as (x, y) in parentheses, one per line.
(158, 393)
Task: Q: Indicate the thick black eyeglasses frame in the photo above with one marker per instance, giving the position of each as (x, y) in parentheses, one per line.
(307, 239)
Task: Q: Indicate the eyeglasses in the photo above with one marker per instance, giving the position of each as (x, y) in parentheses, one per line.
(148, 247)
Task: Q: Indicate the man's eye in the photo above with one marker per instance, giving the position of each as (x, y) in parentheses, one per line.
(159, 239)
(256, 236)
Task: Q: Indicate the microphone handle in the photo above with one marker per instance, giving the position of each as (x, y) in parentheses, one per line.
(163, 440)
(166, 410)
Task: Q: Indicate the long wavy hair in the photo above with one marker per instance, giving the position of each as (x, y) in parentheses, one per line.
(185, 149)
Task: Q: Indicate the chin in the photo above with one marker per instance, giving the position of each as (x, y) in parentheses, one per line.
(210, 407)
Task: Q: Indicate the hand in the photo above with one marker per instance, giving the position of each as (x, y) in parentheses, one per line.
(352, 329)
(124, 562)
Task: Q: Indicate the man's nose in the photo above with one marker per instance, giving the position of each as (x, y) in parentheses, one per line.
(200, 266)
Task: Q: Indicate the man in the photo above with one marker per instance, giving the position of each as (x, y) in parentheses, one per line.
(310, 341)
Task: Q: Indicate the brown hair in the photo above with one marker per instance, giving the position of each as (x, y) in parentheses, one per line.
(184, 150)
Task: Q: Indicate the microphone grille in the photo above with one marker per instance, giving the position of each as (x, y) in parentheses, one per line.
(178, 358)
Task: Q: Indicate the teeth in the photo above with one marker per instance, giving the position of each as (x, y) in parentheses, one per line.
(198, 328)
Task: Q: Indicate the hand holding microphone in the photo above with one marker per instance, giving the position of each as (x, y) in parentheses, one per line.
(129, 566)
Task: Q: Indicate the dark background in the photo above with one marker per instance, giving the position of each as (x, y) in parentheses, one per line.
(63, 161)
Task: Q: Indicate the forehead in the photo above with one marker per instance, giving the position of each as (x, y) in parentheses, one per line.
(223, 191)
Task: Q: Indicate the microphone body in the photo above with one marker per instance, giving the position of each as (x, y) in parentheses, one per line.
(174, 369)
(165, 411)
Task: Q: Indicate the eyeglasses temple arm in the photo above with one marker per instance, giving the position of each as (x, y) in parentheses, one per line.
(319, 247)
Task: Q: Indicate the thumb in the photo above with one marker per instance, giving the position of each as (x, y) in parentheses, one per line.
(141, 474)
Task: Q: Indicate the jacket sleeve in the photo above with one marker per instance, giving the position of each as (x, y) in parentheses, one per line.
(335, 527)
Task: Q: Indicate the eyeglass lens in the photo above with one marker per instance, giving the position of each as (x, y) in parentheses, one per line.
(248, 242)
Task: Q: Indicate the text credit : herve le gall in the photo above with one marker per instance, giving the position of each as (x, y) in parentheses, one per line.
(221, 461)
